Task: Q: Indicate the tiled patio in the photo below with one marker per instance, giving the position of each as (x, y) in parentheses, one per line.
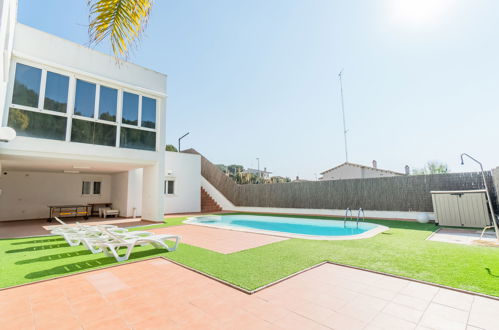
(157, 294)
(219, 240)
(464, 236)
(38, 227)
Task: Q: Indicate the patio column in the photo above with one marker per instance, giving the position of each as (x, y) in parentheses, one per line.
(152, 192)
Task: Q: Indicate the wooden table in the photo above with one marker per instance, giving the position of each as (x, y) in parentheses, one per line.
(69, 211)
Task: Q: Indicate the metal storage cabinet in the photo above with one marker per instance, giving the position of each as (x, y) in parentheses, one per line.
(461, 208)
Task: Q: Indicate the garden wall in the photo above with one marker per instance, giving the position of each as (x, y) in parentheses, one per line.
(401, 193)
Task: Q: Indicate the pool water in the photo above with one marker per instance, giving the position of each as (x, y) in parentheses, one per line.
(302, 226)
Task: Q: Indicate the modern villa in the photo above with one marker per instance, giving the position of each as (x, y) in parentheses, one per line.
(101, 228)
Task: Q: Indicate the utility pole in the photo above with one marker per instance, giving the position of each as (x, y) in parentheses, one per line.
(258, 160)
(343, 111)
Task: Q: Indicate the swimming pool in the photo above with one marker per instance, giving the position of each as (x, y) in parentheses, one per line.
(291, 226)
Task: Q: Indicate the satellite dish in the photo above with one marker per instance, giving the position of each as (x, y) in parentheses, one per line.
(7, 134)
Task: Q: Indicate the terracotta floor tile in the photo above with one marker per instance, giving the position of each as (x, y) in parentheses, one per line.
(20, 322)
(454, 299)
(113, 323)
(340, 321)
(219, 240)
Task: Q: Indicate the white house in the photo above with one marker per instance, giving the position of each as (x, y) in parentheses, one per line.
(88, 130)
(349, 170)
(263, 174)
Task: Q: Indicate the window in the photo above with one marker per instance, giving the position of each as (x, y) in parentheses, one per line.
(91, 187)
(130, 113)
(39, 109)
(148, 112)
(137, 139)
(84, 99)
(97, 186)
(26, 85)
(36, 124)
(85, 187)
(169, 187)
(86, 131)
(56, 92)
(108, 101)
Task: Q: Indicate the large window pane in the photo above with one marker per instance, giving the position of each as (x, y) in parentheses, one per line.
(148, 112)
(90, 132)
(36, 124)
(130, 109)
(84, 99)
(26, 85)
(56, 92)
(137, 139)
(108, 101)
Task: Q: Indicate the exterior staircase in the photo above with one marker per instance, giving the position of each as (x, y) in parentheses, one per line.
(208, 204)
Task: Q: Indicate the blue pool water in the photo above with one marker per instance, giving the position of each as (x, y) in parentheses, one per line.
(303, 226)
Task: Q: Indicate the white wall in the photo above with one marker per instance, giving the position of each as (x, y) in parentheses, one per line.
(25, 195)
(8, 12)
(185, 169)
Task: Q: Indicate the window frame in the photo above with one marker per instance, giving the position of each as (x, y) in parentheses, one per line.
(69, 114)
(165, 186)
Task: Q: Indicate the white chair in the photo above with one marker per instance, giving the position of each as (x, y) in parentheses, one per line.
(104, 212)
(115, 242)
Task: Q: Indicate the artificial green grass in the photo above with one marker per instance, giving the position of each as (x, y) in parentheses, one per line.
(402, 250)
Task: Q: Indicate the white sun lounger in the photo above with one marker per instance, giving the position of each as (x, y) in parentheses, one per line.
(115, 242)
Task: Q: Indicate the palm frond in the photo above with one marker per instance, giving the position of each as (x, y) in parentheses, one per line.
(120, 21)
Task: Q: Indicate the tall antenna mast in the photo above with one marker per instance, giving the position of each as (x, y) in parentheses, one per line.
(343, 111)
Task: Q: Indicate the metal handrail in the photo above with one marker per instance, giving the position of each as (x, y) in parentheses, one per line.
(346, 215)
(361, 210)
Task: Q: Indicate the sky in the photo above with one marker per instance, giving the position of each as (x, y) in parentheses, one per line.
(259, 79)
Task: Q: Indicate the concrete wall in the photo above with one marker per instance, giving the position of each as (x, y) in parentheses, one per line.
(185, 169)
(25, 195)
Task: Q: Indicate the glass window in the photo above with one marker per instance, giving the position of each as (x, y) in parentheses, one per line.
(26, 85)
(85, 187)
(137, 139)
(108, 101)
(85, 131)
(97, 185)
(130, 114)
(169, 187)
(84, 99)
(148, 112)
(56, 92)
(36, 124)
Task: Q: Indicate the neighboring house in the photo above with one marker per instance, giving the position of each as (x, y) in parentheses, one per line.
(89, 130)
(263, 174)
(300, 180)
(349, 170)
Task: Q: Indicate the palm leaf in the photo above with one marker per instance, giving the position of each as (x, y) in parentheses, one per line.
(120, 21)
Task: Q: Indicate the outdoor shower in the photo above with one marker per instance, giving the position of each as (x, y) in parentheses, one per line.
(491, 209)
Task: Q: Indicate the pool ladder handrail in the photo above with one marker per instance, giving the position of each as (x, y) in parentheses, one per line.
(361, 210)
(346, 216)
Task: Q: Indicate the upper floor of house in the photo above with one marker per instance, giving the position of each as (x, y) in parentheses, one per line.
(63, 97)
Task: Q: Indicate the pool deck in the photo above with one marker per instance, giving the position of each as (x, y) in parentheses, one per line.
(219, 240)
(158, 294)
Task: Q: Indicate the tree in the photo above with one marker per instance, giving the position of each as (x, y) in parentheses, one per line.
(122, 21)
(432, 167)
(171, 147)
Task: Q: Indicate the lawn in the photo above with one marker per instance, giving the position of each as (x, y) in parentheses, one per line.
(402, 250)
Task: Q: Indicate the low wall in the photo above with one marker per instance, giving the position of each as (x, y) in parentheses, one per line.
(402, 193)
